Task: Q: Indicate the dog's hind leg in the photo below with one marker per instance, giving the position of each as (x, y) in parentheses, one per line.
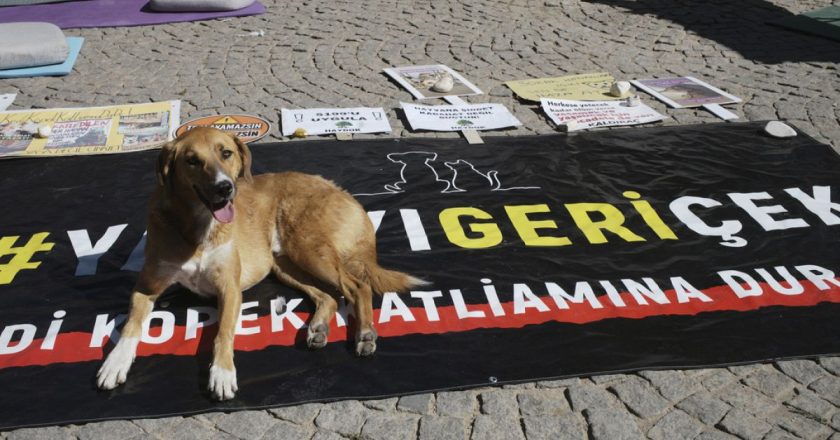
(325, 305)
(114, 370)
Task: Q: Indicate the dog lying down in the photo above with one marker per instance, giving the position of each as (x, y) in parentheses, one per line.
(217, 231)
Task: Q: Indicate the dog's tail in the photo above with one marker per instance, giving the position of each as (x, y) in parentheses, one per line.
(383, 280)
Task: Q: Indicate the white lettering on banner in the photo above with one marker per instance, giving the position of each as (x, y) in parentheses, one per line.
(288, 314)
(650, 290)
(105, 328)
(89, 254)
(417, 237)
(820, 203)
(742, 284)
(523, 299)
(685, 291)
(726, 230)
(492, 297)
(27, 335)
(392, 305)
(583, 292)
(136, 259)
(461, 308)
(795, 286)
(55, 326)
(240, 330)
(194, 322)
(761, 214)
(428, 299)
(167, 327)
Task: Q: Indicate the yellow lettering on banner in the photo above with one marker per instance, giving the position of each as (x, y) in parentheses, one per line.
(613, 221)
(527, 228)
(21, 255)
(450, 220)
(653, 220)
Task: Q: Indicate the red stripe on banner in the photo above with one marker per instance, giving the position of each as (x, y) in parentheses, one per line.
(76, 346)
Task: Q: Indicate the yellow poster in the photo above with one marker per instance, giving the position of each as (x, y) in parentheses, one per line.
(584, 87)
(88, 130)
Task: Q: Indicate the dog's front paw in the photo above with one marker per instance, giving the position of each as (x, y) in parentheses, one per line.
(366, 343)
(114, 370)
(222, 383)
(316, 335)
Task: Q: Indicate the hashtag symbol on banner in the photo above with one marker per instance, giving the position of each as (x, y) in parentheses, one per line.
(21, 255)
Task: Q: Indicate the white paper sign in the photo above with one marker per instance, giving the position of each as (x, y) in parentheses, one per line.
(335, 120)
(6, 100)
(580, 115)
(459, 117)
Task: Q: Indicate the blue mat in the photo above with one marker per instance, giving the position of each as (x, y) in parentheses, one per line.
(64, 68)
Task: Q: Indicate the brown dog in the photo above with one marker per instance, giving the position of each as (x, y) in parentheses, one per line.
(217, 230)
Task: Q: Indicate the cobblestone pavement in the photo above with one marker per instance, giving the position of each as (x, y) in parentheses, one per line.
(332, 53)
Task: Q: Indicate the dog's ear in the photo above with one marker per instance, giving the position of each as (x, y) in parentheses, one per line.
(245, 156)
(166, 160)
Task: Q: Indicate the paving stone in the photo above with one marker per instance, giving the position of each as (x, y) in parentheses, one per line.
(499, 403)
(829, 388)
(534, 403)
(383, 426)
(831, 364)
(442, 428)
(456, 404)
(155, 425)
(744, 425)
(675, 425)
(417, 403)
(48, 433)
(300, 414)
(609, 424)
(190, 429)
(799, 425)
(487, 427)
(811, 403)
(562, 383)
(585, 395)
(705, 407)
(569, 426)
(116, 430)
(748, 399)
(640, 397)
(772, 383)
(246, 424)
(835, 421)
(718, 379)
(345, 417)
(287, 431)
(779, 434)
(607, 378)
(715, 435)
(381, 404)
(673, 385)
(803, 371)
(327, 435)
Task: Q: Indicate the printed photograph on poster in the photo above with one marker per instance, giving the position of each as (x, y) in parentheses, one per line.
(459, 117)
(432, 81)
(583, 87)
(581, 115)
(85, 133)
(142, 130)
(16, 136)
(684, 92)
(318, 121)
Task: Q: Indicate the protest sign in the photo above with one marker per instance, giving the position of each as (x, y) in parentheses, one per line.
(335, 120)
(459, 117)
(580, 115)
(584, 87)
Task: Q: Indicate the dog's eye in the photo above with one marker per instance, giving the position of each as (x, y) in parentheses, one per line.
(193, 161)
(226, 154)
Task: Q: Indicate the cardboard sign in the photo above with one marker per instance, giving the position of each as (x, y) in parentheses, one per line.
(421, 81)
(88, 130)
(459, 117)
(580, 115)
(584, 87)
(335, 120)
(247, 128)
(684, 91)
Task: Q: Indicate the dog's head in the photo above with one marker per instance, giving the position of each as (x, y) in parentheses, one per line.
(206, 162)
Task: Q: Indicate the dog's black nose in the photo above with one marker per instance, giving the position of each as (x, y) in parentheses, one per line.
(223, 188)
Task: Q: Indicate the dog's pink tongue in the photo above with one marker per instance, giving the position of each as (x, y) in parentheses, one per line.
(225, 214)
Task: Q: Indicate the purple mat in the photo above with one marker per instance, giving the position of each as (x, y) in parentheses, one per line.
(106, 13)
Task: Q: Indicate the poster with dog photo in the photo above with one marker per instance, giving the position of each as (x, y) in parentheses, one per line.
(432, 81)
(684, 91)
(143, 130)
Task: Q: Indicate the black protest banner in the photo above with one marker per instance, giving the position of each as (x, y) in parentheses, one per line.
(548, 256)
